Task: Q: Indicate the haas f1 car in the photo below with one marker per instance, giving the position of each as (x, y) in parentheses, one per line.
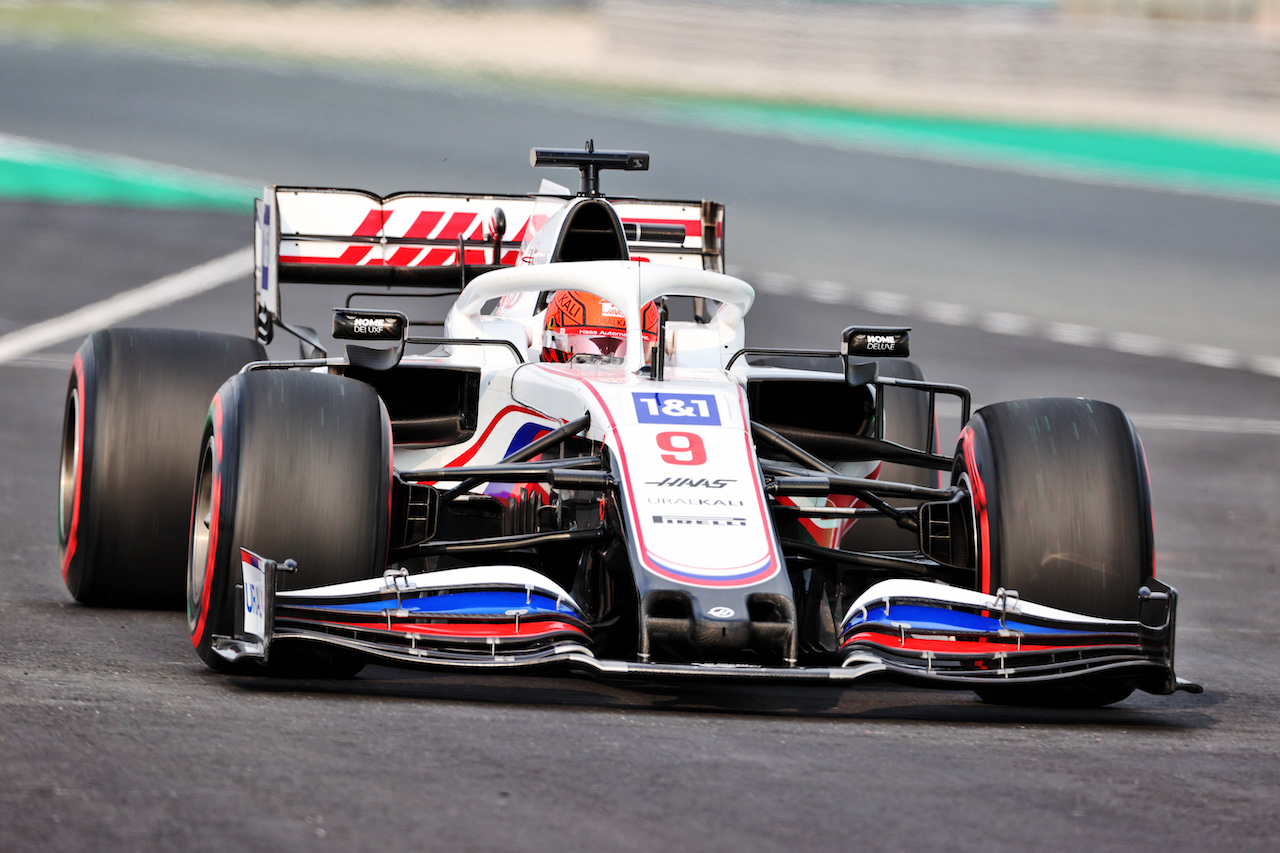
(585, 467)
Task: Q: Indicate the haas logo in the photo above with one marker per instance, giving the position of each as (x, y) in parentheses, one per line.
(690, 482)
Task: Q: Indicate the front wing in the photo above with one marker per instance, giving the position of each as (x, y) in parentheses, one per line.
(508, 617)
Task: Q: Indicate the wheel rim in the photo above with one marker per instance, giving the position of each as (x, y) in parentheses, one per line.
(70, 464)
(198, 554)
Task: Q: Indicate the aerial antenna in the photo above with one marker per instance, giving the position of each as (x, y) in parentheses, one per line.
(589, 162)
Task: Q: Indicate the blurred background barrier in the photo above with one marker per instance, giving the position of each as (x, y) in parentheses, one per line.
(1207, 67)
(1201, 68)
(1262, 14)
(1180, 94)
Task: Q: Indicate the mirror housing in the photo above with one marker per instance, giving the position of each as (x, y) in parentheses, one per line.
(860, 343)
(350, 324)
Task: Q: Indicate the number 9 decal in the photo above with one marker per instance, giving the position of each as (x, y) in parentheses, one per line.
(685, 448)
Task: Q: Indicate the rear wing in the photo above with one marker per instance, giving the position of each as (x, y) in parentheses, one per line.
(441, 240)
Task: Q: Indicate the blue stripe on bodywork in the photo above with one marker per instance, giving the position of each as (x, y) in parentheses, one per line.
(526, 435)
(485, 603)
(944, 619)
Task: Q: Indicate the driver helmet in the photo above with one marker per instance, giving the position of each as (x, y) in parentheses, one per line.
(583, 324)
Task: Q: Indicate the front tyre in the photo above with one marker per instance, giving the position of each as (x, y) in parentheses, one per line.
(294, 466)
(1062, 510)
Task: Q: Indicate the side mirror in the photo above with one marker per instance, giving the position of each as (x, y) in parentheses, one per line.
(374, 326)
(860, 343)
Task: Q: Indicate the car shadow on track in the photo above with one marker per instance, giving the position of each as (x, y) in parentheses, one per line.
(873, 701)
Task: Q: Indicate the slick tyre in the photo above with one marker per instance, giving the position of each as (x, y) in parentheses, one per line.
(134, 410)
(293, 466)
(906, 422)
(1062, 510)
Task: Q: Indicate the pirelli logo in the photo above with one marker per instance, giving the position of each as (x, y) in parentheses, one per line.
(699, 521)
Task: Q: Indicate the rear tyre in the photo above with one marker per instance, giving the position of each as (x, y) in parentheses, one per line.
(134, 410)
(294, 466)
(1062, 507)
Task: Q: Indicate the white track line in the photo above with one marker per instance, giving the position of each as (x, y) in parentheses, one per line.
(54, 360)
(1206, 423)
(1003, 323)
(25, 149)
(99, 315)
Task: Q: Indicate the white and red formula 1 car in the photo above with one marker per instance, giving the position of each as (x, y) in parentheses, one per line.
(567, 475)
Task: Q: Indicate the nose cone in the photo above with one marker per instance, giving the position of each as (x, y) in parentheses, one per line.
(721, 628)
(720, 625)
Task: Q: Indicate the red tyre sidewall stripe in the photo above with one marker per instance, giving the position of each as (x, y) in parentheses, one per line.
(391, 471)
(216, 500)
(1151, 505)
(978, 492)
(77, 368)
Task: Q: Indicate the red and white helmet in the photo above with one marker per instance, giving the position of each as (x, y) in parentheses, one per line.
(580, 323)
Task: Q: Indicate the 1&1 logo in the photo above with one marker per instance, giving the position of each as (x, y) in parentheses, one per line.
(687, 409)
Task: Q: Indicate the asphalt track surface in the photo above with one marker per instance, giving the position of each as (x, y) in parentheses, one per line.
(114, 736)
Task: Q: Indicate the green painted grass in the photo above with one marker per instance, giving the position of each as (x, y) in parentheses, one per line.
(1117, 155)
(33, 171)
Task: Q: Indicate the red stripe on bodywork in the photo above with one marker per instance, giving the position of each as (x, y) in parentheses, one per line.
(458, 224)
(829, 537)
(402, 257)
(424, 224)
(493, 424)
(351, 256)
(373, 222)
(527, 630)
(437, 257)
(372, 226)
(968, 647)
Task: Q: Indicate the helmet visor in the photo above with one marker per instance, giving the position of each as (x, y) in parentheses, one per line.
(610, 344)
